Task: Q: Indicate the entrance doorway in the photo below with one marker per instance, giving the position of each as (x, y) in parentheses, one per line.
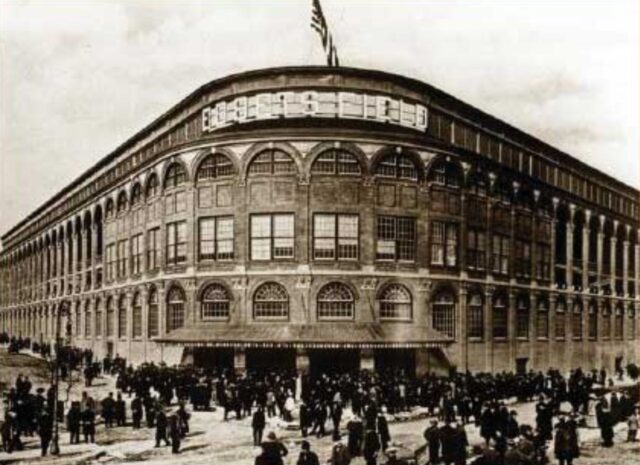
(213, 358)
(270, 359)
(395, 360)
(521, 365)
(333, 361)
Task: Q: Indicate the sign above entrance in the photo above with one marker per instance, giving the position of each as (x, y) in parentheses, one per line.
(315, 104)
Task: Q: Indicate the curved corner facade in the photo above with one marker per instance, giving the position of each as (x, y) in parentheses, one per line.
(314, 217)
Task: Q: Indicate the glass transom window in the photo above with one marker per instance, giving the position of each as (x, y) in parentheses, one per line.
(215, 303)
(335, 301)
(271, 301)
(336, 161)
(395, 303)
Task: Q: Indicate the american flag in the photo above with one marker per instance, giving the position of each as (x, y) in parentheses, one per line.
(319, 23)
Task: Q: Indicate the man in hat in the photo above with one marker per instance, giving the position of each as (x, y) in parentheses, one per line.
(356, 431)
(89, 423)
(307, 456)
(74, 418)
(273, 450)
(258, 422)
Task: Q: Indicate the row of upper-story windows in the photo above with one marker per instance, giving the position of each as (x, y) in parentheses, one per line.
(334, 237)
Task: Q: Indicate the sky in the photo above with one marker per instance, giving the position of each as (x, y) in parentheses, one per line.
(77, 78)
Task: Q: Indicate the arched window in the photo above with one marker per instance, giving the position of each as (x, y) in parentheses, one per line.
(109, 208)
(175, 175)
(175, 308)
(561, 310)
(336, 161)
(215, 303)
(122, 202)
(606, 321)
(397, 165)
(97, 325)
(619, 323)
(271, 301)
(522, 317)
(475, 317)
(593, 320)
(335, 301)
(152, 186)
(444, 173)
(153, 313)
(213, 167)
(444, 313)
(136, 194)
(136, 316)
(478, 183)
(631, 323)
(272, 161)
(500, 317)
(395, 302)
(576, 320)
(111, 317)
(122, 317)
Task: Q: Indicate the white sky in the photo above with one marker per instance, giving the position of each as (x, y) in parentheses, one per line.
(78, 78)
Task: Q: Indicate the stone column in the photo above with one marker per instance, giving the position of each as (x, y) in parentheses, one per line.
(637, 267)
(569, 255)
(600, 251)
(625, 261)
(612, 251)
(367, 360)
(461, 325)
(488, 327)
(554, 222)
(586, 233)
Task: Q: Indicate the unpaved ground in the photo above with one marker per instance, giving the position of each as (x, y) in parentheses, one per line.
(213, 441)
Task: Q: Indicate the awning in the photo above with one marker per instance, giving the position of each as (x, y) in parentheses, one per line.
(316, 336)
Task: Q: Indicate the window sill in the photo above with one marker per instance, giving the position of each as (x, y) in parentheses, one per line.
(215, 320)
(396, 320)
(523, 338)
(475, 339)
(499, 339)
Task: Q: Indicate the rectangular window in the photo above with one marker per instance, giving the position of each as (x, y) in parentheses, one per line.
(543, 261)
(475, 325)
(98, 323)
(87, 322)
(136, 254)
(335, 237)
(560, 325)
(153, 322)
(542, 324)
(176, 243)
(500, 254)
(111, 261)
(215, 238)
(272, 236)
(523, 258)
(152, 249)
(476, 249)
(396, 238)
(123, 255)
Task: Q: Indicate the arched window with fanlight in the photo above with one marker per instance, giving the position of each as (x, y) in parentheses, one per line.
(175, 308)
(335, 302)
(475, 317)
(398, 166)
(271, 162)
(153, 313)
(175, 175)
(271, 302)
(215, 302)
(522, 317)
(444, 313)
(136, 316)
(576, 320)
(122, 317)
(500, 317)
(395, 303)
(214, 166)
(336, 161)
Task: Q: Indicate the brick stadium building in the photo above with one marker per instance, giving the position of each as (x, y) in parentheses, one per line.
(318, 217)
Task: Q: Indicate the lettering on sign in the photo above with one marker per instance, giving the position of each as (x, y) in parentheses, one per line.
(315, 104)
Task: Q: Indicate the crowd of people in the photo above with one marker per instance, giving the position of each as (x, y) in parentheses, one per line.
(356, 406)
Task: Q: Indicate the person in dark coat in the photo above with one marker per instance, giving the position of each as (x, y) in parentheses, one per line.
(562, 447)
(448, 441)
(258, 422)
(175, 433)
(161, 428)
(108, 410)
(461, 443)
(45, 430)
(606, 426)
(307, 456)
(383, 431)
(120, 411)
(355, 430)
(432, 436)
(305, 419)
(273, 450)
(136, 411)
(74, 419)
(336, 417)
(371, 447)
(89, 424)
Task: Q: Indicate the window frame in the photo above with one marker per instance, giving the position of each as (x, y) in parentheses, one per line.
(173, 244)
(412, 242)
(271, 238)
(336, 238)
(215, 241)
